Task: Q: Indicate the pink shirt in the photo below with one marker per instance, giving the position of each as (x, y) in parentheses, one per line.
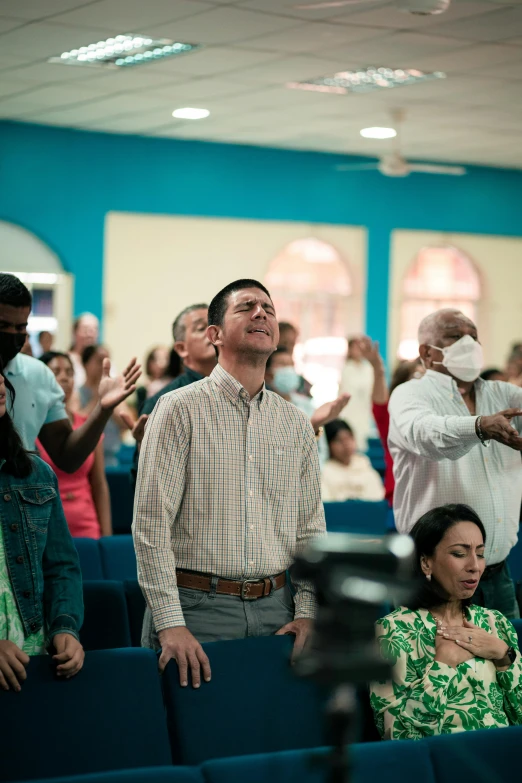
(76, 493)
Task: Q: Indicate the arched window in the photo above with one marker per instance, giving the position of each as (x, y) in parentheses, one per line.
(439, 277)
(311, 287)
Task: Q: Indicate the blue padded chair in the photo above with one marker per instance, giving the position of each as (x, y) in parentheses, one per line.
(118, 557)
(254, 703)
(515, 560)
(110, 716)
(487, 756)
(143, 775)
(392, 762)
(122, 498)
(106, 622)
(89, 554)
(135, 609)
(357, 516)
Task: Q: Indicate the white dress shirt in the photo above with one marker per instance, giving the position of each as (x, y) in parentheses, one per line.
(438, 457)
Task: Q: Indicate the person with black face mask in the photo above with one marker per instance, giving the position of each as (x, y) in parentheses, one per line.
(39, 410)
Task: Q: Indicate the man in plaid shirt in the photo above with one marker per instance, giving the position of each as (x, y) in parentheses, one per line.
(228, 491)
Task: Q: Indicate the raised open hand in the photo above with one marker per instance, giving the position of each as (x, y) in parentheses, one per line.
(113, 391)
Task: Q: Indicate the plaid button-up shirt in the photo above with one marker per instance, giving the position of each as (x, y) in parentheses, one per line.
(228, 486)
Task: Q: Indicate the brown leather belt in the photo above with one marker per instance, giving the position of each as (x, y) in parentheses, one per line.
(247, 589)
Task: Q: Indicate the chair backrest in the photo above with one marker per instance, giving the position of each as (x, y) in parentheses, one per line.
(106, 622)
(515, 561)
(89, 555)
(122, 498)
(254, 703)
(142, 775)
(110, 716)
(393, 762)
(357, 516)
(481, 756)
(118, 557)
(135, 609)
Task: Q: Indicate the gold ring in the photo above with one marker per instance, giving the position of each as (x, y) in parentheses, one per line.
(470, 639)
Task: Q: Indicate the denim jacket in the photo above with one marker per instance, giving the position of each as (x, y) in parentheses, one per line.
(41, 557)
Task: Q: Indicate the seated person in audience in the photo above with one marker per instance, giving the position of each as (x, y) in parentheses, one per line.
(85, 493)
(347, 475)
(45, 343)
(456, 665)
(228, 489)
(94, 358)
(39, 411)
(288, 335)
(197, 354)
(161, 367)
(41, 603)
(86, 331)
(281, 377)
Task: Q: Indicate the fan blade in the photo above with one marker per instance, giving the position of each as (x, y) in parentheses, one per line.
(328, 4)
(357, 166)
(432, 168)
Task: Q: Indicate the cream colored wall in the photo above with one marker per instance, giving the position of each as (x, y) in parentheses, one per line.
(155, 265)
(499, 262)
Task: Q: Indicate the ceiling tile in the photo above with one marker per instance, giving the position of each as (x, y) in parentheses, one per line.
(46, 39)
(214, 60)
(314, 37)
(10, 24)
(494, 26)
(121, 16)
(399, 50)
(391, 17)
(38, 9)
(470, 57)
(224, 25)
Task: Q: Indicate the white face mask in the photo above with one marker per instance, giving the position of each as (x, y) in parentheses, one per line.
(464, 359)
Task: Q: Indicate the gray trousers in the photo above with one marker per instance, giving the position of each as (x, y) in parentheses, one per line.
(211, 617)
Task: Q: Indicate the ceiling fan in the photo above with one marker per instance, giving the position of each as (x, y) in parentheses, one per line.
(423, 7)
(393, 164)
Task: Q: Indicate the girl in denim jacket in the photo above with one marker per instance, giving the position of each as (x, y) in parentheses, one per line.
(41, 604)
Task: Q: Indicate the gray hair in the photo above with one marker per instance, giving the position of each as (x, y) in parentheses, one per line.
(431, 326)
(179, 327)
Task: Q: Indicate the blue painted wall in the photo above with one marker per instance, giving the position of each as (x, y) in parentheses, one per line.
(60, 184)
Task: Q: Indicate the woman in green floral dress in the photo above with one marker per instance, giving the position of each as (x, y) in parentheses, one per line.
(457, 666)
(41, 603)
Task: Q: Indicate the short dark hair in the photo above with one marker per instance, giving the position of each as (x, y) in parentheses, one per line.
(13, 292)
(333, 428)
(427, 533)
(48, 356)
(277, 351)
(487, 374)
(89, 352)
(179, 327)
(218, 306)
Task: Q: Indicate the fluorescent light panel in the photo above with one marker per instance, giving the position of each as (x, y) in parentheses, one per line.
(367, 79)
(123, 51)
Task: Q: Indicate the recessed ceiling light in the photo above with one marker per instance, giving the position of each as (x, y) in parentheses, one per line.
(123, 50)
(367, 79)
(190, 114)
(378, 133)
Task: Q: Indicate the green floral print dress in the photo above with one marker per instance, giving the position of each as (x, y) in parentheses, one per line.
(427, 697)
(11, 627)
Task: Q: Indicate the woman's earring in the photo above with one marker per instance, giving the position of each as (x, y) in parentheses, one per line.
(428, 577)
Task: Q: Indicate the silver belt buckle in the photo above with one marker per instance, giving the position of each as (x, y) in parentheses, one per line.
(244, 586)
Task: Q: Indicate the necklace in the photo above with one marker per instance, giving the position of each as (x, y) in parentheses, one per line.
(439, 622)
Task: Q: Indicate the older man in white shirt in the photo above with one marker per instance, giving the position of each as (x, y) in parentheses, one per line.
(452, 439)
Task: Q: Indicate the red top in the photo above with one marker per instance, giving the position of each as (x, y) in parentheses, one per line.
(76, 493)
(382, 420)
